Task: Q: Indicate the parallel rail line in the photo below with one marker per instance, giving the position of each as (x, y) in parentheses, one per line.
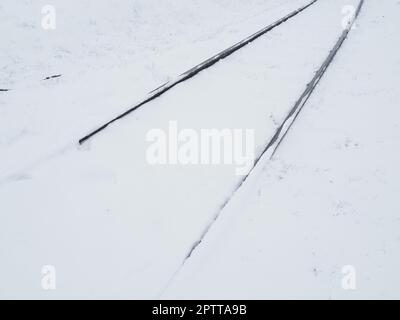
(279, 135)
(195, 70)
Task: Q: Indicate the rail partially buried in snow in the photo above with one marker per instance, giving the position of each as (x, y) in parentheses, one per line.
(195, 70)
(285, 126)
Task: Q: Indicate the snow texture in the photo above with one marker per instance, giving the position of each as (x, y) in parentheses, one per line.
(114, 226)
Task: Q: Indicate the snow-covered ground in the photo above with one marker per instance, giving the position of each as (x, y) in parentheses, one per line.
(114, 226)
(140, 34)
(98, 84)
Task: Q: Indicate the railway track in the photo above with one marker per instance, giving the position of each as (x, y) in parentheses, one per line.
(195, 70)
(44, 79)
(280, 133)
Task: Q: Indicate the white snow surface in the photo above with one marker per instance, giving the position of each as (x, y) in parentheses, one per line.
(116, 227)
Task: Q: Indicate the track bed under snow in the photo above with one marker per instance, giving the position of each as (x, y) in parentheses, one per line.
(115, 226)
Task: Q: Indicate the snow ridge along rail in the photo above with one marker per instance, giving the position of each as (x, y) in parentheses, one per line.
(195, 70)
(281, 131)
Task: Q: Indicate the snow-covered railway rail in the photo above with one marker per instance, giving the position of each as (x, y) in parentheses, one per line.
(280, 133)
(168, 216)
(273, 144)
(198, 68)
